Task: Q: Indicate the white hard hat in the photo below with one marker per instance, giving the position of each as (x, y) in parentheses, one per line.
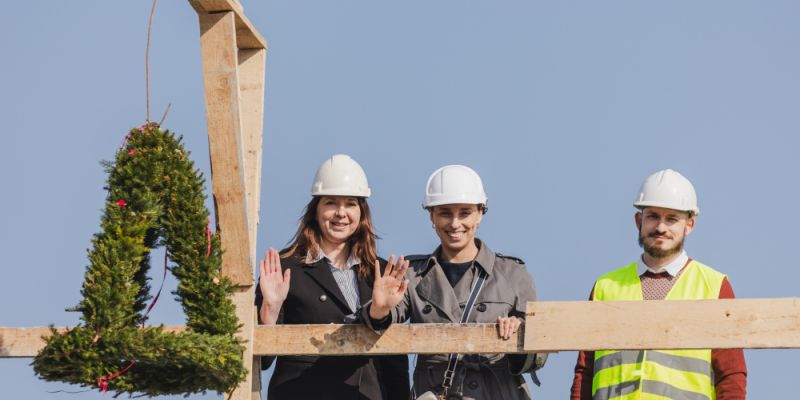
(454, 184)
(340, 175)
(667, 189)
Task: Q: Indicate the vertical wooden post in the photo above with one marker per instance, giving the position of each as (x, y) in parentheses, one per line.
(251, 87)
(234, 112)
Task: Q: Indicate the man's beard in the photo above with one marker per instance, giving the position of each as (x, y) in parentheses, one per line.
(658, 253)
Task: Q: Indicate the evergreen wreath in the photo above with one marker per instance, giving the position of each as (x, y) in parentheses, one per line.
(155, 197)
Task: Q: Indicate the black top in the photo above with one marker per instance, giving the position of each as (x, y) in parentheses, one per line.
(455, 271)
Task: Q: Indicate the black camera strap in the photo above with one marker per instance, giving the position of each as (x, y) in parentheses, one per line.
(450, 373)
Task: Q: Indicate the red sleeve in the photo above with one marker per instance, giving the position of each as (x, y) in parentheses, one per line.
(730, 370)
(584, 372)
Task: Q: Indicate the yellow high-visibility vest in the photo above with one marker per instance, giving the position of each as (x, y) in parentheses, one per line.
(655, 374)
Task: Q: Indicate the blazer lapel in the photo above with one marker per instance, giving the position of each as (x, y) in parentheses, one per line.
(321, 274)
(364, 290)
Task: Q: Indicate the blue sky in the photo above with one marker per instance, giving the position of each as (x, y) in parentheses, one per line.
(562, 107)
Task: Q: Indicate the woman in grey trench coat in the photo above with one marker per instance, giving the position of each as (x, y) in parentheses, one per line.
(434, 288)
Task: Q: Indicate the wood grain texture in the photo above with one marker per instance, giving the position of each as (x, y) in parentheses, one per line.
(688, 324)
(229, 168)
(251, 91)
(342, 340)
(243, 299)
(223, 113)
(247, 37)
(22, 342)
(550, 326)
(26, 342)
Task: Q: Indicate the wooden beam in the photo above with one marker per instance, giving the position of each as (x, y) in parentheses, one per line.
(247, 37)
(550, 326)
(22, 342)
(243, 299)
(26, 342)
(221, 78)
(251, 90)
(344, 340)
(232, 171)
(701, 324)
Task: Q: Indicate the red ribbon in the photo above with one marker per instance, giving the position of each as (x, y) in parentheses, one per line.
(103, 382)
(155, 299)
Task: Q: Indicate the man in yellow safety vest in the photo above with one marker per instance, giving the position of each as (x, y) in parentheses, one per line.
(667, 213)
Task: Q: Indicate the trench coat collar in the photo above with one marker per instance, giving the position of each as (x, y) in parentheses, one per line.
(431, 285)
(484, 259)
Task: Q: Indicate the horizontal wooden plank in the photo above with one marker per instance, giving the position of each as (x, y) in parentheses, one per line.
(701, 324)
(217, 5)
(398, 339)
(26, 342)
(327, 339)
(247, 37)
(21, 342)
(550, 326)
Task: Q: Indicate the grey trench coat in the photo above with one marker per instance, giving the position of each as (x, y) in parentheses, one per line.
(431, 299)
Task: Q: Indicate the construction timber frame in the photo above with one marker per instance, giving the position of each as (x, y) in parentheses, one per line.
(234, 57)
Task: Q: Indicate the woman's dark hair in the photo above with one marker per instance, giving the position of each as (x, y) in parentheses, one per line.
(362, 243)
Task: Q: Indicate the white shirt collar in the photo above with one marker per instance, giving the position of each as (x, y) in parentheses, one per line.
(672, 268)
(351, 260)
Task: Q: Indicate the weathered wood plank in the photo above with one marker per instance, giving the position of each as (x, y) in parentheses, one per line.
(251, 91)
(22, 342)
(26, 342)
(398, 339)
(715, 324)
(327, 339)
(221, 78)
(218, 5)
(227, 144)
(243, 299)
(247, 37)
(550, 326)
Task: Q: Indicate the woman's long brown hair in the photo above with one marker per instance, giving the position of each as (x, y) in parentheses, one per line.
(362, 243)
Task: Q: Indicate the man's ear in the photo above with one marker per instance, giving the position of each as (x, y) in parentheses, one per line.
(638, 218)
(690, 224)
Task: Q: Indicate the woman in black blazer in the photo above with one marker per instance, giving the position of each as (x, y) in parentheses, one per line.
(325, 276)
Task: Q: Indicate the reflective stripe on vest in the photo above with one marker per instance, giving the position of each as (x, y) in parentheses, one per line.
(655, 374)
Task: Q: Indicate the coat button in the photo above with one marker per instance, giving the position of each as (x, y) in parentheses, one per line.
(427, 309)
(323, 298)
(473, 385)
(481, 307)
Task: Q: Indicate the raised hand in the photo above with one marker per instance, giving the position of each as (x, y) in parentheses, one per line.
(507, 326)
(388, 288)
(274, 286)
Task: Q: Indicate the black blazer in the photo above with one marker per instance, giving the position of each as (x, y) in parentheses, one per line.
(315, 298)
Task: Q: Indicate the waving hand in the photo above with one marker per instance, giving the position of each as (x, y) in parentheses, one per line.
(388, 288)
